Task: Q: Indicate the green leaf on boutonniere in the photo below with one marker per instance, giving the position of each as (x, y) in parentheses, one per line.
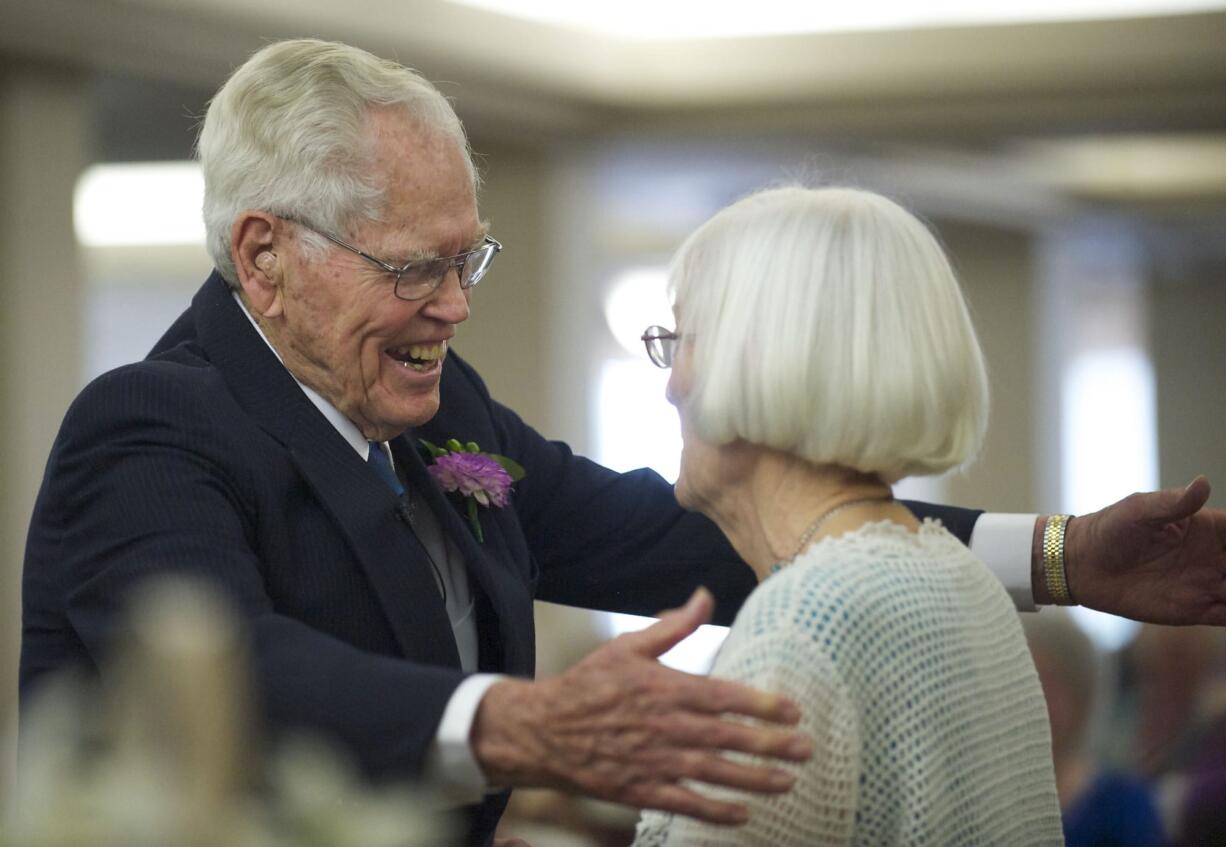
(435, 450)
(513, 468)
(475, 521)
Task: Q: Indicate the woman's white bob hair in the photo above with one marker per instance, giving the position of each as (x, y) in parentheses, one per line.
(827, 323)
(288, 134)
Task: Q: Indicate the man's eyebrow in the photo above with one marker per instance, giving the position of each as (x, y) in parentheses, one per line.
(483, 230)
(413, 256)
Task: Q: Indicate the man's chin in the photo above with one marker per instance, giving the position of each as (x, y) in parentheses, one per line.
(389, 423)
(682, 492)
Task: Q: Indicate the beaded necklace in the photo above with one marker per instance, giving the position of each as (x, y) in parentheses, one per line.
(817, 523)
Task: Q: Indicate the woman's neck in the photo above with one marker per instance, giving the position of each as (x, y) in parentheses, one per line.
(769, 514)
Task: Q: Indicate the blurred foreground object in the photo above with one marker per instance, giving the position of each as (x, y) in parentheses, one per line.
(167, 758)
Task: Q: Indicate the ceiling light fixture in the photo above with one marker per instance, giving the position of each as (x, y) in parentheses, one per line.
(139, 203)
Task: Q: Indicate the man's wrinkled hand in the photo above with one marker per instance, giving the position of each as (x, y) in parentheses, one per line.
(620, 726)
(1157, 557)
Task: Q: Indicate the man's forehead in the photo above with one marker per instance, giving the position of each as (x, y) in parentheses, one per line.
(404, 142)
(412, 240)
(429, 201)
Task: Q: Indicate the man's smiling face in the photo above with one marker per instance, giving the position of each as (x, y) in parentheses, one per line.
(342, 330)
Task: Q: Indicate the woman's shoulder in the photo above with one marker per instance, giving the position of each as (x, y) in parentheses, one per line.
(887, 540)
(880, 576)
(884, 558)
(874, 559)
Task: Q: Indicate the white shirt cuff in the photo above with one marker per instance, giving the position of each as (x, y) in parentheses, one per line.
(1004, 543)
(451, 768)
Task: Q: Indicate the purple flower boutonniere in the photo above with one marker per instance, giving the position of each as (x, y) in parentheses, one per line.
(479, 478)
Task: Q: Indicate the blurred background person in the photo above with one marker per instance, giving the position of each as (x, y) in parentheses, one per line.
(1099, 806)
(1175, 688)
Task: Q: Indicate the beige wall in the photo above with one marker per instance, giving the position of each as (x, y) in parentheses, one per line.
(997, 273)
(42, 149)
(506, 335)
(1188, 340)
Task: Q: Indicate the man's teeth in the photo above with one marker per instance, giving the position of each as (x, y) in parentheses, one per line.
(420, 357)
(422, 352)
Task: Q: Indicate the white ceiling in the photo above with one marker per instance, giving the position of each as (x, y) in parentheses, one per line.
(588, 75)
(675, 20)
(1009, 95)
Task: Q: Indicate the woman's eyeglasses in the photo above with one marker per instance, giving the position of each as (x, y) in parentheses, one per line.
(661, 345)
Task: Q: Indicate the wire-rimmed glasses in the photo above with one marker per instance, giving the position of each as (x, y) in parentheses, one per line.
(661, 345)
(419, 279)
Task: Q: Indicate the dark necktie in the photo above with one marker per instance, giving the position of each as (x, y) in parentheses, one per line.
(378, 460)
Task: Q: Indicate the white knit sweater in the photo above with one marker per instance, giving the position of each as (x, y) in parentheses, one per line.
(909, 664)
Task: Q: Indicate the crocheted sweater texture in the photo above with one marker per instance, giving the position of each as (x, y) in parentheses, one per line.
(908, 661)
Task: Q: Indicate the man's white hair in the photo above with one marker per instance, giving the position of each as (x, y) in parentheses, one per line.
(827, 323)
(287, 134)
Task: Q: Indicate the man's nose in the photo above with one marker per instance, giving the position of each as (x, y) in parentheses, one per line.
(449, 302)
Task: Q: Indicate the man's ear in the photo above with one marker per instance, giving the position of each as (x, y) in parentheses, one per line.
(254, 249)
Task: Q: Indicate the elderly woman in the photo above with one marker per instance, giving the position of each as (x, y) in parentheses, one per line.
(823, 352)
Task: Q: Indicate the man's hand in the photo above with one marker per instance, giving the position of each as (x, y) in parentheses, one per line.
(1158, 557)
(620, 726)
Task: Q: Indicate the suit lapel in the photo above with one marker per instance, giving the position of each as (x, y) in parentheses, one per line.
(504, 604)
(362, 506)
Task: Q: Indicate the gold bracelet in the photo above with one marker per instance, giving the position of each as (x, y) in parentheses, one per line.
(1053, 560)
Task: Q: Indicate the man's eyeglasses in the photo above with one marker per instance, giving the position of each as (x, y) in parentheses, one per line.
(420, 279)
(661, 345)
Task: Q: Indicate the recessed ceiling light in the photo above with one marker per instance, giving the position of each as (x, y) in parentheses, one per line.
(139, 203)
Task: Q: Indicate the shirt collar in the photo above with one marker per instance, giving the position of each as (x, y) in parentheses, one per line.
(347, 428)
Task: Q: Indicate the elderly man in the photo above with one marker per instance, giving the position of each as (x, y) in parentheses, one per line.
(270, 444)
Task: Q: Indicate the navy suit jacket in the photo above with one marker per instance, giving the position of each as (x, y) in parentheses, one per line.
(206, 458)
